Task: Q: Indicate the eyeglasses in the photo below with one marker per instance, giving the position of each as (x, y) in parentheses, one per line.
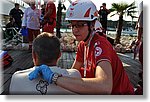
(78, 25)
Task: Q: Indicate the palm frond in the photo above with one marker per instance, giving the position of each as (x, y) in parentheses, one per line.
(132, 8)
(132, 4)
(112, 10)
(123, 8)
(113, 14)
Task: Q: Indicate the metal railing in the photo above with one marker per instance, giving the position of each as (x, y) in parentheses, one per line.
(16, 35)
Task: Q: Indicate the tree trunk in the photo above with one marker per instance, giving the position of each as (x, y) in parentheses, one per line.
(58, 23)
(119, 29)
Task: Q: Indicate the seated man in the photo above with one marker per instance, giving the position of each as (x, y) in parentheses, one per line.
(45, 53)
(10, 32)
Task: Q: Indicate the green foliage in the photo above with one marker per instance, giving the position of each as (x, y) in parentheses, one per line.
(123, 8)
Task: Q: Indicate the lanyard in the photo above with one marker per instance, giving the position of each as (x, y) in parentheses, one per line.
(86, 52)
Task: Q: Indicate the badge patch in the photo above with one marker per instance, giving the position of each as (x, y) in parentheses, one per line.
(98, 51)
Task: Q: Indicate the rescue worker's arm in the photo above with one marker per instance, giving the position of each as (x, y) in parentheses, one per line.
(101, 84)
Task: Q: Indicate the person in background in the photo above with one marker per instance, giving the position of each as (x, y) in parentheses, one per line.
(101, 69)
(9, 28)
(139, 28)
(45, 54)
(42, 15)
(43, 9)
(103, 13)
(50, 17)
(17, 14)
(31, 21)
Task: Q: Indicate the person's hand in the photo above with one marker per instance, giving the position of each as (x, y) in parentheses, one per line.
(45, 71)
(34, 74)
(23, 27)
(101, 7)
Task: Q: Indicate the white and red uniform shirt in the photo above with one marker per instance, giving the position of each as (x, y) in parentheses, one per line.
(51, 5)
(52, 18)
(99, 50)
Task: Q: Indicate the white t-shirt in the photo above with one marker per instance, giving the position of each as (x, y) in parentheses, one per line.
(20, 84)
(31, 18)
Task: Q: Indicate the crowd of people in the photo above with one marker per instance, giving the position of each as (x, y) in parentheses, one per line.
(34, 19)
(97, 68)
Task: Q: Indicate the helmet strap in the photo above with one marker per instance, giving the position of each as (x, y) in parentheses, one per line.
(87, 37)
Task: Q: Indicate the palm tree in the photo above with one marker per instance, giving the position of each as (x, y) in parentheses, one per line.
(122, 9)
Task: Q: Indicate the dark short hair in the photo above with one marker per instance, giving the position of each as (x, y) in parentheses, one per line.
(16, 4)
(104, 4)
(47, 47)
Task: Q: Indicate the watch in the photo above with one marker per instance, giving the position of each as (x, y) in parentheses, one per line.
(55, 77)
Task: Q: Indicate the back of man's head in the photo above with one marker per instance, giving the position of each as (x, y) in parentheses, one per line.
(47, 47)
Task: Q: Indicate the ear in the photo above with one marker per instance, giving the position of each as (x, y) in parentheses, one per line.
(59, 55)
(35, 58)
(92, 25)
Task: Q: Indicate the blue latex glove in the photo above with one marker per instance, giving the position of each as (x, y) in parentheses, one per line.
(45, 71)
(34, 74)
